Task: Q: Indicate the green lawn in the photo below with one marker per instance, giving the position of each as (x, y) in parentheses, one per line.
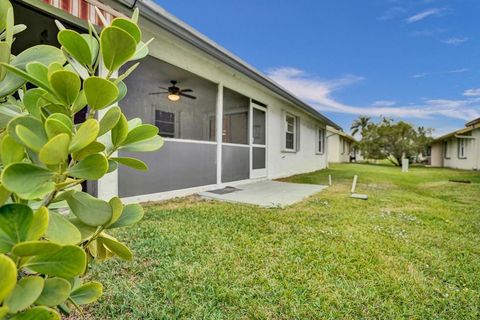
(410, 252)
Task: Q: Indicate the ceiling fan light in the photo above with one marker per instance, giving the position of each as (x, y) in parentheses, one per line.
(173, 97)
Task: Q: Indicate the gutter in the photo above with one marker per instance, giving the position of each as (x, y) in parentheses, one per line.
(159, 16)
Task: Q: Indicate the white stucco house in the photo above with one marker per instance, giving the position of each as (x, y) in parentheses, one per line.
(242, 125)
(459, 149)
(341, 146)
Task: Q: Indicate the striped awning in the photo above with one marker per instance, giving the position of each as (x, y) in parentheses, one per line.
(85, 9)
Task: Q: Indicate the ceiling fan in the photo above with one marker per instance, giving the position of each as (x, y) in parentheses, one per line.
(175, 92)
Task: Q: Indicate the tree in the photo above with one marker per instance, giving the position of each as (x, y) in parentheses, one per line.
(45, 157)
(394, 141)
(360, 124)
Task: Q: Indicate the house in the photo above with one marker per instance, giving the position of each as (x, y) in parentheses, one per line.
(459, 149)
(341, 146)
(234, 125)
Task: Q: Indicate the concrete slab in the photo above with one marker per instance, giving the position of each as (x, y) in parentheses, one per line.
(266, 193)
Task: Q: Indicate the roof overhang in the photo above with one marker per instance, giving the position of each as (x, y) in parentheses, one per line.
(159, 16)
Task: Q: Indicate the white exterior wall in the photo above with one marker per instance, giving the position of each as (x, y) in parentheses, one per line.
(335, 148)
(436, 155)
(472, 160)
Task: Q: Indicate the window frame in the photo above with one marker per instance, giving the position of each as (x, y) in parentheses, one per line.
(461, 146)
(446, 149)
(286, 131)
(320, 138)
(174, 123)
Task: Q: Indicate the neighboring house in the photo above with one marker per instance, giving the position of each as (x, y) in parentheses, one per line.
(341, 146)
(459, 149)
(242, 125)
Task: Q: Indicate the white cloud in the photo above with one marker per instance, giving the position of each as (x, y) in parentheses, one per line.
(455, 41)
(383, 103)
(424, 74)
(472, 92)
(419, 75)
(424, 14)
(318, 93)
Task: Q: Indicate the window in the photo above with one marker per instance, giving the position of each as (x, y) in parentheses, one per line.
(165, 122)
(445, 150)
(462, 149)
(320, 140)
(343, 145)
(290, 132)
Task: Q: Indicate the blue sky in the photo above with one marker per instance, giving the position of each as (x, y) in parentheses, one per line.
(417, 61)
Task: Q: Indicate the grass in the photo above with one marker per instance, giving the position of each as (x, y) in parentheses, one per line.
(410, 252)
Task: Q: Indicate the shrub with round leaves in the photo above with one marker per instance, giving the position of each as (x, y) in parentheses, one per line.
(49, 228)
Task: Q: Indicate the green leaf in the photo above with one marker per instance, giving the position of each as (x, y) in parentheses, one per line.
(37, 313)
(76, 45)
(117, 209)
(39, 224)
(80, 103)
(128, 26)
(68, 262)
(34, 248)
(90, 210)
(112, 166)
(10, 84)
(4, 7)
(148, 145)
(141, 133)
(87, 293)
(92, 148)
(132, 213)
(117, 47)
(31, 99)
(116, 247)
(109, 120)
(86, 134)
(58, 123)
(4, 57)
(61, 230)
(24, 177)
(132, 163)
(120, 131)
(128, 72)
(66, 85)
(26, 291)
(86, 231)
(100, 92)
(44, 54)
(15, 223)
(141, 51)
(3, 312)
(4, 195)
(93, 45)
(8, 280)
(11, 151)
(30, 139)
(55, 151)
(93, 167)
(38, 71)
(122, 91)
(26, 77)
(55, 292)
(33, 124)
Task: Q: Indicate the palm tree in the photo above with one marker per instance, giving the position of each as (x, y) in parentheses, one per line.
(359, 124)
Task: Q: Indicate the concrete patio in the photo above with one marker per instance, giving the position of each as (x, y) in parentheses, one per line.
(267, 193)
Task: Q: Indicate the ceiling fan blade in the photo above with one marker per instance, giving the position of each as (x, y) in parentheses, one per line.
(152, 93)
(187, 95)
(186, 90)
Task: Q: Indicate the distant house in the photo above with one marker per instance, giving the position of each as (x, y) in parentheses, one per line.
(341, 146)
(459, 149)
(241, 126)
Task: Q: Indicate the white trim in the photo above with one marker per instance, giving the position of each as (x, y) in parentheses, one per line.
(285, 131)
(317, 139)
(258, 173)
(236, 144)
(160, 196)
(219, 130)
(189, 141)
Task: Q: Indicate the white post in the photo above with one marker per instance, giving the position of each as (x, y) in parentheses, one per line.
(107, 186)
(354, 184)
(329, 179)
(405, 165)
(219, 131)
